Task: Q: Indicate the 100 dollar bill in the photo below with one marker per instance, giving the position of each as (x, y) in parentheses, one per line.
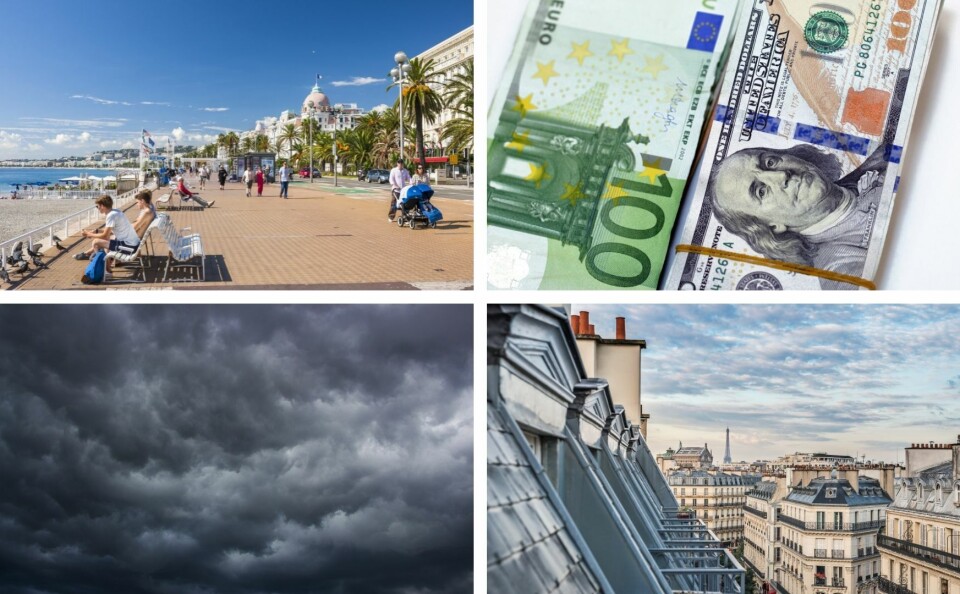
(803, 159)
(592, 136)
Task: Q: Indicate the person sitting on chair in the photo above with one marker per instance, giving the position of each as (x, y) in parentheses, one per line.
(147, 213)
(116, 235)
(186, 194)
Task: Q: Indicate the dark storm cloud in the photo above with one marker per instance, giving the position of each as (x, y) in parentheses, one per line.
(190, 449)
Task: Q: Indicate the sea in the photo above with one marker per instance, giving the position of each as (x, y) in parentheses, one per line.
(32, 175)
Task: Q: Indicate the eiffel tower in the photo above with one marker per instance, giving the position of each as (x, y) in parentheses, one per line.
(727, 459)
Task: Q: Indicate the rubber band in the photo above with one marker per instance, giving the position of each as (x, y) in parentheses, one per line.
(778, 265)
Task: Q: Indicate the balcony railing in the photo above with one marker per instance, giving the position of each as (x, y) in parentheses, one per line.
(820, 553)
(920, 552)
(830, 526)
(755, 512)
(888, 587)
(838, 583)
(835, 554)
(866, 552)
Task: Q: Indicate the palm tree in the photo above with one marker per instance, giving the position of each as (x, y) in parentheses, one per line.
(427, 103)
(288, 135)
(232, 143)
(246, 145)
(458, 95)
(261, 143)
(360, 145)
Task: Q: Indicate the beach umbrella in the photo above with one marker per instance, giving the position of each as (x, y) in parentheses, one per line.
(71, 179)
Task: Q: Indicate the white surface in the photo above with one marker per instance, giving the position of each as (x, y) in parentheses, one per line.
(924, 233)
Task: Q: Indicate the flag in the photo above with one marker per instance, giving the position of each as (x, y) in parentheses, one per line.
(150, 142)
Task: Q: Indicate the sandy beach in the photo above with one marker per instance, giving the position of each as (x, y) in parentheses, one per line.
(21, 216)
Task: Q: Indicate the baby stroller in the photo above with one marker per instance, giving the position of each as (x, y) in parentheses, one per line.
(414, 207)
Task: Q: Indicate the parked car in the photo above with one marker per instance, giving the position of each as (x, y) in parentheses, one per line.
(361, 174)
(378, 175)
(305, 172)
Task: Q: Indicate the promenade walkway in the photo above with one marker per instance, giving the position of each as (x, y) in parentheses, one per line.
(320, 238)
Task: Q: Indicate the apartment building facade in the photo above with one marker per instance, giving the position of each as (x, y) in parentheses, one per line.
(920, 548)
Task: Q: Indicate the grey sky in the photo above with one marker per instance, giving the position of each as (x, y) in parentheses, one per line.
(848, 379)
(207, 449)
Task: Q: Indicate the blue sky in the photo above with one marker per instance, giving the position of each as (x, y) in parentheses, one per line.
(80, 76)
(854, 379)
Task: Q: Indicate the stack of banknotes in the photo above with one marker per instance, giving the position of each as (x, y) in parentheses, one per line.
(598, 123)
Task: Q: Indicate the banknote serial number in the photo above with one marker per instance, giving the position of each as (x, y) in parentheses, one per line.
(866, 42)
(550, 23)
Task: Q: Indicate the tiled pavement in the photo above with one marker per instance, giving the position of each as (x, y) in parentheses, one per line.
(316, 239)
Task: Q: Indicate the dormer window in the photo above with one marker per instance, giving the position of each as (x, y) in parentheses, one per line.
(831, 493)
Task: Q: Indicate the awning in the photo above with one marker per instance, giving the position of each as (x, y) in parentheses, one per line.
(432, 159)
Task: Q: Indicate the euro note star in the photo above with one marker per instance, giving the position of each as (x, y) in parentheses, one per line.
(545, 72)
(654, 66)
(524, 104)
(620, 49)
(581, 51)
(538, 174)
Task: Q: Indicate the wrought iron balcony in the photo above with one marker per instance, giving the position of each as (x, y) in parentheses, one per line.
(920, 552)
(755, 512)
(830, 526)
(888, 587)
(836, 554)
(820, 553)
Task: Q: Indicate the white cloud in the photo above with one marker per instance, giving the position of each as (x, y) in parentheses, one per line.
(204, 138)
(60, 139)
(128, 145)
(219, 129)
(163, 103)
(99, 100)
(9, 140)
(358, 81)
(381, 108)
(178, 133)
(215, 109)
(84, 137)
(100, 123)
(34, 147)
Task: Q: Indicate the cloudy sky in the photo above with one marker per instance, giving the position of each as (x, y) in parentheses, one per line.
(858, 379)
(244, 449)
(83, 77)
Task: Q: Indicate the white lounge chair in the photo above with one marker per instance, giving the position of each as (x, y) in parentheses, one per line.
(183, 250)
(137, 256)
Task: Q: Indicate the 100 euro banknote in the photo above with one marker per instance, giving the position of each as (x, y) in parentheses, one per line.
(592, 135)
(802, 161)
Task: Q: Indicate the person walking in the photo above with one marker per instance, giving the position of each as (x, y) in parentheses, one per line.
(260, 178)
(203, 178)
(248, 179)
(284, 179)
(222, 176)
(399, 177)
(420, 177)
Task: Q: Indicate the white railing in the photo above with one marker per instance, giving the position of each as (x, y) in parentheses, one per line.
(64, 194)
(65, 226)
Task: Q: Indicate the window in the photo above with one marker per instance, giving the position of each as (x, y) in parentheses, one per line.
(944, 586)
(821, 520)
(533, 441)
(837, 520)
(923, 583)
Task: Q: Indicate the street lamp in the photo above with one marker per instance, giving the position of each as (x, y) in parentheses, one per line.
(335, 111)
(311, 111)
(399, 75)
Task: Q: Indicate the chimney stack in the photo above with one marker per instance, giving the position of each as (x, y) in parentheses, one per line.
(575, 323)
(621, 328)
(584, 322)
(592, 330)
